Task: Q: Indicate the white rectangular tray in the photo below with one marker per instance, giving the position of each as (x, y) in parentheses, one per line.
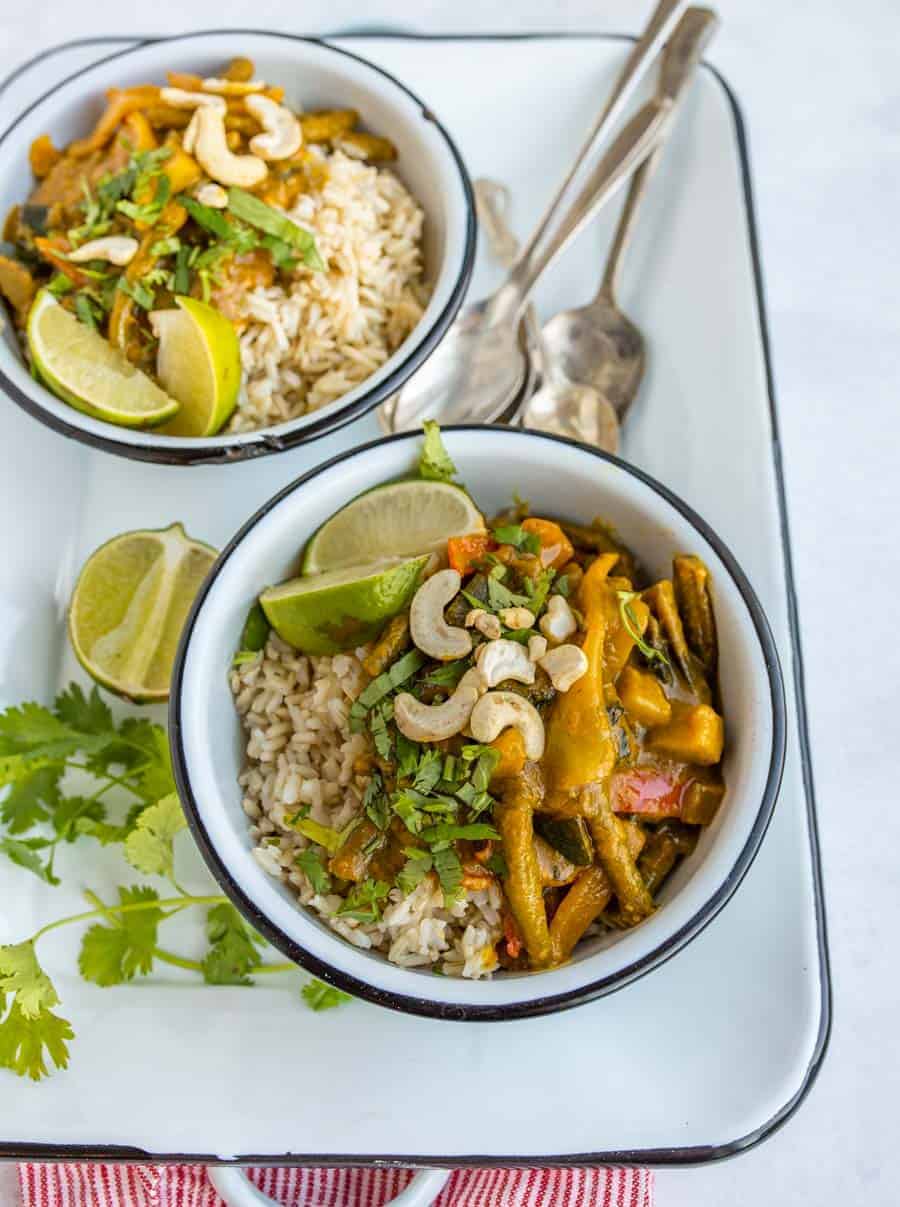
(701, 1059)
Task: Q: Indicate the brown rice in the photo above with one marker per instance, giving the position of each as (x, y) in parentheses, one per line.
(300, 752)
(307, 345)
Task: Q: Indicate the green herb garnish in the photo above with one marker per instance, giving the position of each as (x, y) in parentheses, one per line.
(275, 225)
(319, 996)
(631, 626)
(310, 862)
(435, 464)
(363, 902)
(515, 535)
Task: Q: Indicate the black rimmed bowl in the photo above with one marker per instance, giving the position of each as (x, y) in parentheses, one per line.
(558, 477)
(314, 75)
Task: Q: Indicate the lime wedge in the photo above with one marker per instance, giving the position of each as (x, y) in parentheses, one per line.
(129, 607)
(398, 519)
(84, 370)
(199, 363)
(341, 609)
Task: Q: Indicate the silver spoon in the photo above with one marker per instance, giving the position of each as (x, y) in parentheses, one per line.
(479, 368)
(492, 201)
(597, 345)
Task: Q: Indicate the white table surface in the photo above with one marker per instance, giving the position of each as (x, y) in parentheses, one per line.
(819, 83)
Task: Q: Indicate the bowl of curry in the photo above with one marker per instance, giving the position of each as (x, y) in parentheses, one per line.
(525, 767)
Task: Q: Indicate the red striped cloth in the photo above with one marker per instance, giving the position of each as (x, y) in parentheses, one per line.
(71, 1185)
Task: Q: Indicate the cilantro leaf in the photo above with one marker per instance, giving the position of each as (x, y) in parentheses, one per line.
(374, 802)
(30, 1027)
(443, 833)
(449, 872)
(87, 714)
(515, 535)
(310, 862)
(71, 810)
(429, 770)
(435, 464)
(26, 1043)
(22, 976)
(150, 846)
(111, 955)
(319, 996)
(500, 597)
(31, 727)
(25, 854)
(418, 865)
(450, 673)
(31, 800)
(233, 947)
(363, 902)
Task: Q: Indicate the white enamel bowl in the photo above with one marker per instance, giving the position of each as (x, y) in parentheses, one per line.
(559, 478)
(314, 75)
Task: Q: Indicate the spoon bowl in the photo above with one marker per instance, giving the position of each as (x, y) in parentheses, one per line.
(576, 411)
(598, 345)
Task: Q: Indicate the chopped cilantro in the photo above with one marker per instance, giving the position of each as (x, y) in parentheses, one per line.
(515, 535)
(449, 873)
(310, 862)
(418, 865)
(375, 803)
(450, 673)
(444, 833)
(363, 902)
(137, 291)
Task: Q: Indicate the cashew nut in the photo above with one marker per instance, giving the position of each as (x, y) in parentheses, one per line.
(212, 153)
(283, 136)
(504, 659)
(517, 618)
(429, 631)
(232, 87)
(537, 647)
(114, 249)
(189, 137)
(486, 623)
(549, 554)
(212, 195)
(435, 722)
(565, 665)
(497, 711)
(558, 622)
(180, 98)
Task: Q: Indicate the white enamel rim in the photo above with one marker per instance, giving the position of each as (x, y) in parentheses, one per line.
(207, 749)
(427, 154)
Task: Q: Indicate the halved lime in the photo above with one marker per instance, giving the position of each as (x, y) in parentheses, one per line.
(341, 609)
(83, 369)
(398, 519)
(129, 607)
(199, 363)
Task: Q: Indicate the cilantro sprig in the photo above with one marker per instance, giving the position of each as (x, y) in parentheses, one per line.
(72, 773)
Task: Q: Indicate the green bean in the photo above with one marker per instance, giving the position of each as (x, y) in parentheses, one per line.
(692, 595)
(513, 817)
(612, 845)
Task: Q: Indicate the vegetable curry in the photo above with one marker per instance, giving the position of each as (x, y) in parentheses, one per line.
(544, 719)
(179, 189)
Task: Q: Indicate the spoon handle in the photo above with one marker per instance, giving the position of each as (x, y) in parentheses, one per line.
(627, 152)
(679, 61)
(642, 55)
(492, 203)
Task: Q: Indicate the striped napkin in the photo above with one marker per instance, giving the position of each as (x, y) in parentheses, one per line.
(70, 1185)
